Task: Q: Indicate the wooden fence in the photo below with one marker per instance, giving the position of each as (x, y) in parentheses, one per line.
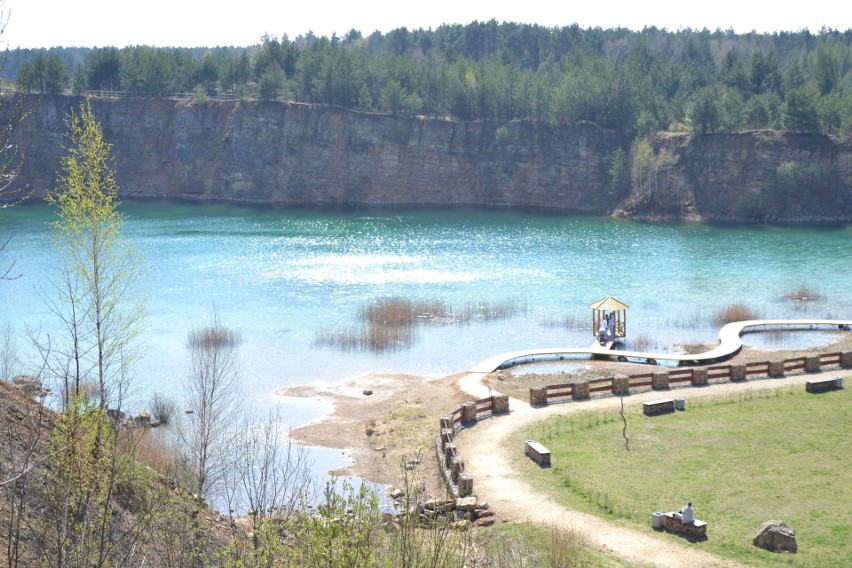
(667, 378)
(451, 463)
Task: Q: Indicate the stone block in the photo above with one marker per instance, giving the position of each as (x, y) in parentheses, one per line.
(449, 453)
(538, 396)
(620, 385)
(823, 385)
(466, 504)
(654, 407)
(846, 359)
(700, 377)
(660, 380)
(696, 529)
(537, 452)
(457, 469)
(581, 390)
(446, 422)
(500, 404)
(447, 436)
(776, 368)
(739, 372)
(468, 412)
(465, 485)
(812, 364)
(440, 505)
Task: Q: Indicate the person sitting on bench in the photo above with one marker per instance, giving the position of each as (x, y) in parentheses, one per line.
(686, 515)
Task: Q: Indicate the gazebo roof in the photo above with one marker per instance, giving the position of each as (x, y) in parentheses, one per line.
(608, 303)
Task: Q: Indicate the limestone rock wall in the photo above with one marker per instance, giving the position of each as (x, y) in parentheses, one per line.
(291, 154)
(303, 155)
(774, 176)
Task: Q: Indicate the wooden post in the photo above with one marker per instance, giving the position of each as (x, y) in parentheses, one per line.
(449, 454)
(446, 437)
(465, 485)
(458, 468)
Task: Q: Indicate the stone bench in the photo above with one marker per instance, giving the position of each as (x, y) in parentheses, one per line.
(654, 407)
(695, 529)
(823, 385)
(537, 452)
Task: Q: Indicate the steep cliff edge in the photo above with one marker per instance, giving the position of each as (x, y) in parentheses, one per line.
(288, 154)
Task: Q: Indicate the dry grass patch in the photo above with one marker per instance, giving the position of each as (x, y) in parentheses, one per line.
(573, 323)
(409, 426)
(694, 348)
(732, 313)
(390, 324)
(803, 293)
(527, 545)
(148, 447)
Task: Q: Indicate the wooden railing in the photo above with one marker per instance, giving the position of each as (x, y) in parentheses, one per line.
(451, 464)
(667, 378)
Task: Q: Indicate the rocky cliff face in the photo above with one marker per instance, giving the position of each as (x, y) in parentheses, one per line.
(759, 176)
(275, 153)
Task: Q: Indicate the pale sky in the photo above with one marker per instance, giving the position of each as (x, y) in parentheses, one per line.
(210, 23)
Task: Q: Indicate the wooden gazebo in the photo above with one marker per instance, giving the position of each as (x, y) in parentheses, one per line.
(617, 310)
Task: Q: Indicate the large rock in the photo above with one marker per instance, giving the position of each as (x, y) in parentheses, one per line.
(466, 503)
(31, 386)
(776, 536)
(440, 505)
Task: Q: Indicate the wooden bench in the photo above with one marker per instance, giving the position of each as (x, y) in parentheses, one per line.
(823, 385)
(695, 529)
(537, 452)
(654, 407)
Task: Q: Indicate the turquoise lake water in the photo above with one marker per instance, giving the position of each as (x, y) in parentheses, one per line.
(284, 278)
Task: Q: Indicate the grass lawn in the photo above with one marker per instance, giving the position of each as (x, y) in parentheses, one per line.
(758, 455)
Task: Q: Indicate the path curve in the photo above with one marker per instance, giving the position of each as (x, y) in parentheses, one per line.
(482, 446)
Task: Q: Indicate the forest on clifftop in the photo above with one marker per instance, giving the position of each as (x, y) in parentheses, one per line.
(632, 82)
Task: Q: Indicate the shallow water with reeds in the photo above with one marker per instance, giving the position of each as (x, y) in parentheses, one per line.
(319, 297)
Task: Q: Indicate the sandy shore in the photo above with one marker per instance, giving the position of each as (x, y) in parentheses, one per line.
(381, 418)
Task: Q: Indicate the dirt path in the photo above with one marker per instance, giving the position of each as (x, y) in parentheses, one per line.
(482, 447)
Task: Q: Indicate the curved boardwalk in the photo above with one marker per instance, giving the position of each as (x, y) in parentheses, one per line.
(729, 344)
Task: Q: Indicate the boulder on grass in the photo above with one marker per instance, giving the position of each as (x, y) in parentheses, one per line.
(776, 536)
